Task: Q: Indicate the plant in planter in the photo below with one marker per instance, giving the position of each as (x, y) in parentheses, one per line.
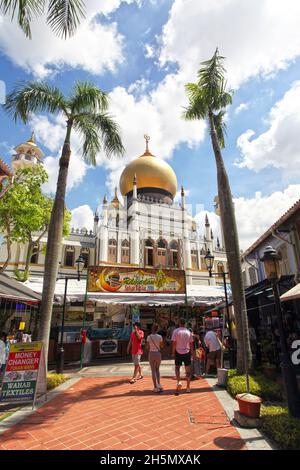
(249, 405)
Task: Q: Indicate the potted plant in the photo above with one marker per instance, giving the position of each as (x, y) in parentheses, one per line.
(249, 405)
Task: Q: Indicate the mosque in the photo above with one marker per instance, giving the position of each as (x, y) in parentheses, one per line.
(147, 228)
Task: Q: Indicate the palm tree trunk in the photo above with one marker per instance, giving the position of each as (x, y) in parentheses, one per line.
(55, 232)
(233, 256)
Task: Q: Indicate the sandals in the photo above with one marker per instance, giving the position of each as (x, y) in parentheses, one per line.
(132, 381)
(140, 377)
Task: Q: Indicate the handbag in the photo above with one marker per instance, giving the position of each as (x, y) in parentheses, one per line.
(199, 354)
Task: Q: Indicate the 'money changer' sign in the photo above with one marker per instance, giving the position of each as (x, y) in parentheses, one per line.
(25, 368)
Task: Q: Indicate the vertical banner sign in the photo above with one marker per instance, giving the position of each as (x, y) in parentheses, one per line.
(25, 373)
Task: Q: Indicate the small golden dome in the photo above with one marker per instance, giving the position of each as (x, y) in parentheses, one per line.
(115, 201)
(151, 172)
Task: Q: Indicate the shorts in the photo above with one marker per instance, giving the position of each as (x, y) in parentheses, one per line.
(183, 358)
(136, 358)
(213, 355)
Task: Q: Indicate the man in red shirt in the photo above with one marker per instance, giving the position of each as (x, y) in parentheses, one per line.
(135, 343)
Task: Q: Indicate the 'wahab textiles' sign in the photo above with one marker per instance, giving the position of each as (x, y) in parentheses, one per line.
(144, 280)
(25, 373)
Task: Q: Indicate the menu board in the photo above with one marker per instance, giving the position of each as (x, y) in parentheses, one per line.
(25, 373)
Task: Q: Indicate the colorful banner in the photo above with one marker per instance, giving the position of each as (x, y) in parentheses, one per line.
(143, 280)
(22, 372)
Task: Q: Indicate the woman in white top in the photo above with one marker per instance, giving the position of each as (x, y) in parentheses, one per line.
(3, 340)
(155, 344)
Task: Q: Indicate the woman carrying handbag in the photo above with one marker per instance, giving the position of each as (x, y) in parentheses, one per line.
(155, 345)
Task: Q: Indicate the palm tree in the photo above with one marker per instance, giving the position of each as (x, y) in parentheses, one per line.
(85, 111)
(208, 99)
(63, 16)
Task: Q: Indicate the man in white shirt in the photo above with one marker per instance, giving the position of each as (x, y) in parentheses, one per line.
(213, 344)
(182, 343)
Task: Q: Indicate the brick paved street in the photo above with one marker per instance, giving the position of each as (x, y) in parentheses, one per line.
(109, 413)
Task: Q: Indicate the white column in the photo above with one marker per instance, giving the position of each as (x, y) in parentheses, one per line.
(104, 233)
(135, 235)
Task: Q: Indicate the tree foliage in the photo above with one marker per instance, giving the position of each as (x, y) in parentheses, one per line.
(63, 16)
(25, 212)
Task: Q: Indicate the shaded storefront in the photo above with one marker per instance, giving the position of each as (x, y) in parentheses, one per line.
(263, 326)
(109, 316)
(19, 305)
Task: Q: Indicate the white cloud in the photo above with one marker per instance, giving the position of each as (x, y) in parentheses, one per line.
(279, 145)
(241, 107)
(149, 51)
(157, 114)
(46, 54)
(258, 37)
(255, 215)
(139, 86)
(82, 217)
(50, 132)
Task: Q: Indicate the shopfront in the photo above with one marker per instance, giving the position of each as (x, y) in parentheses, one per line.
(117, 296)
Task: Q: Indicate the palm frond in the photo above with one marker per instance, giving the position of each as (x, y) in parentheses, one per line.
(33, 97)
(26, 10)
(98, 131)
(110, 134)
(87, 97)
(220, 127)
(64, 16)
(197, 108)
(90, 138)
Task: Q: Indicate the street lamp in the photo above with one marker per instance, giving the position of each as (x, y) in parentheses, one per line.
(271, 260)
(80, 262)
(209, 261)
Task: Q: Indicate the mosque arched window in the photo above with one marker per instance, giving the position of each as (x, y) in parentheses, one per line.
(35, 254)
(220, 268)
(69, 255)
(112, 250)
(162, 252)
(149, 252)
(125, 251)
(194, 258)
(174, 254)
(85, 253)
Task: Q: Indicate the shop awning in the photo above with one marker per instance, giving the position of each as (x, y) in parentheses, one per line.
(292, 294)
(14, 290)
(197, 295)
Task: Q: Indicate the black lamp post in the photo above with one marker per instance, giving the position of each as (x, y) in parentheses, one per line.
(61, 352)
(209, 261)
(272, 269)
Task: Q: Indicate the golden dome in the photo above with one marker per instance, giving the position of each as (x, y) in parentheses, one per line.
(151, 172)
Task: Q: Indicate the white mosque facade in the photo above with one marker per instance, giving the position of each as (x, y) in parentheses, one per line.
(147, 229)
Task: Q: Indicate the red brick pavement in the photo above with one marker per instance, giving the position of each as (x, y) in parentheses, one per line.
(109, 413)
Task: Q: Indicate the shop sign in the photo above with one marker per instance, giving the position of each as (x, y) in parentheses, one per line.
(133, 280)
(109, 346)
(25, 373)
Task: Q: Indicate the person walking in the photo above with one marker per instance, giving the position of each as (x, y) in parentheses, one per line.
(135, 344)
(197, 356)
(155, 344)
(3, 354)
(213, 345)
(182, 344)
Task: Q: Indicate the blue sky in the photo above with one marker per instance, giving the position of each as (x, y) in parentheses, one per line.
(142, 52)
